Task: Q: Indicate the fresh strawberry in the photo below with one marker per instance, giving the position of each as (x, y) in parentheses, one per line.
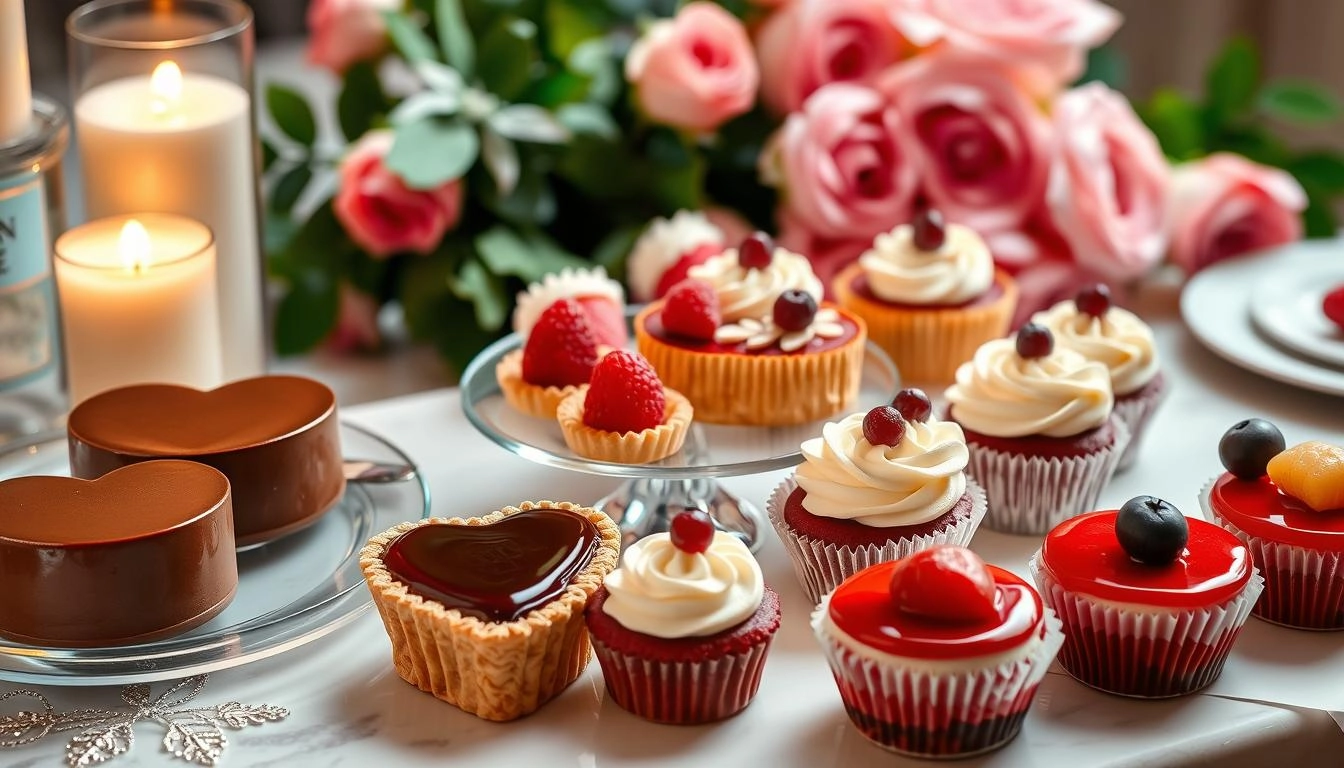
(1334, 306)
(607, 319)
(624, 395)
(678, 271)
(692, 310)
(561, 349)
(944, 583)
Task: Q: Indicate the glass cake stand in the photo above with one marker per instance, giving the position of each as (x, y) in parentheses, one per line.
(654, 492)
(291, 591)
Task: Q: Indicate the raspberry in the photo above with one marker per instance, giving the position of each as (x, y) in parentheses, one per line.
(561, 349)
(624, 395)
(692, 310)
(1333, 306)
(678, 271)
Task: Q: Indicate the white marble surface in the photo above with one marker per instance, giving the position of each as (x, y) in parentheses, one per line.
(350, 709)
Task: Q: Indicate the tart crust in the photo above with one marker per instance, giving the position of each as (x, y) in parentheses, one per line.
(625, 447)
(532, 399)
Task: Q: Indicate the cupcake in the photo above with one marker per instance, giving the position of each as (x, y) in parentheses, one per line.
(556, 359)
(1151, 601)
(683, 627)
(1287, 506)
(625, 414)
(937, 654)
(930, 294)
(875, 487)
(601, 299)
(746, 340)
(1119, 340)
(486, 613)
(1039, 427)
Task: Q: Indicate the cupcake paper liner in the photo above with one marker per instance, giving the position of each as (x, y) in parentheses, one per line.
(923, 713)
(1135, 413)
(1304, 587)
(625, 447)
(1144, 654)
(532, 399)
(1029, 495)
(821, 566)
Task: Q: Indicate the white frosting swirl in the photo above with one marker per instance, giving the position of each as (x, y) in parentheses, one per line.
(661, 245)
(1003, 394)
(917, 480)
(1118, 340)
(899, 272)
(662, 591)
(752, 292)
(570, 282)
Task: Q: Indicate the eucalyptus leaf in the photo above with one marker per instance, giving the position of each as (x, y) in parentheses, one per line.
(508, 55)
(505, 252)
(307, 313)
(430, 152)
(594, 59)
(361, 100)
(287, 189)
(439, 76)
(501, 160)
(1233, 79)
(1299, 102)
(291, 114)
(424, 105)
(586, 118)
(474, 283)
(408, 37)
(529, 123)
(455, 36)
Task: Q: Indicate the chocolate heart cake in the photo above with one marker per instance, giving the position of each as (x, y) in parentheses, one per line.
(142, 553)
(486, 613)
(275, 437)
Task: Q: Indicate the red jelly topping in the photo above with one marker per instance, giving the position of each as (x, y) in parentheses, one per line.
(861, 287)
(495, 572)
(1259, 508)
(863, 609)
(1083, 555)
(653, 324)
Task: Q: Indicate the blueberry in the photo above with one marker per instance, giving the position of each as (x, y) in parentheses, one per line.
(1247, 447)
(1151, 530)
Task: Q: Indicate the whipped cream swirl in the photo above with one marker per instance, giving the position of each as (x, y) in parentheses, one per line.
(899, 272)
(751, 293)
(570, 282)
(1118, 340)
(662, 245)
(917, 480)
(1003, 394)
(759, 334)
(662, 591)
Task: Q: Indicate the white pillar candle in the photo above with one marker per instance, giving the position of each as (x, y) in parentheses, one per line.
(16, 92)
(139, 303)
(182, 143)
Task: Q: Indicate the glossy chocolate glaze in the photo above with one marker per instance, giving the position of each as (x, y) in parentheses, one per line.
(495, 572)
(276, 438)
(142, 553)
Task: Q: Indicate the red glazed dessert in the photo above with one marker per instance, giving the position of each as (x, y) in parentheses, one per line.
(683, 627)
(937, 654)
(1151, 601)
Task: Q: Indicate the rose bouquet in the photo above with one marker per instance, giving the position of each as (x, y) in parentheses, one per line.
(493, 142)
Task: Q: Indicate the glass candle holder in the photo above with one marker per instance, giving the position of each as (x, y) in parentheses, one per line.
(164, 121)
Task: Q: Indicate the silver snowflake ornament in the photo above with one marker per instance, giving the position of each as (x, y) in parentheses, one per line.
(194, 734)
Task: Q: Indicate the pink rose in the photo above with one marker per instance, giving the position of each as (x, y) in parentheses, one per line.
(1048, 37)
(1108, 184)
(984, 144)
(809, 43)
(384, 216)
(356, 322)
(1225, 205)
(694, 71)
(342, 32)
(844, 164)
(1039, 259)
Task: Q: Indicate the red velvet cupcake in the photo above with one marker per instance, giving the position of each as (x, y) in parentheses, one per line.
(682, 629)
(937, 654)
(1151, 601)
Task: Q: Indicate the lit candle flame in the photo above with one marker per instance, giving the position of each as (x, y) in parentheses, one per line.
(166, 86)
(133, 246)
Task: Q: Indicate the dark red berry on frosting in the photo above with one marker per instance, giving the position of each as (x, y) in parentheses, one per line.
(1035, 340)
(884, 425)
(1151, 530)
(692, 531)
(929, 230)
(913, 404)
(1247, 446)
(1333, 306)
(756, 251)
(1093, 300)
(794, 310)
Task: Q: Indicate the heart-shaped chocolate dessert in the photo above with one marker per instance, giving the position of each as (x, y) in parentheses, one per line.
(141, 553)
(275, 437)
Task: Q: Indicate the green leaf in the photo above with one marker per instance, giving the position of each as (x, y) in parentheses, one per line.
(408, 37)
(504, 252)
(277, 230)
(1106, 65)
(1319, 219)
(571, 22)
(588, 119)
(318, 244)
(430, 152)
(423, 286)
(291, 113)
(268, 155)
(1233, 79)
(1175, 121)
(667, 148)
(1299, 102)
(361, 100)
(425, 104)
(368, 273)
(508, 57)
(1322, 170)
(530, 123)
(532, 203)
(289, 187)
(501, 160)
(459, 49)
(614, 248)
(307, 313)
(594, 59)
(475, 284)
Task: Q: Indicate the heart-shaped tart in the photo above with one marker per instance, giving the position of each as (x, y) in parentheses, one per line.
(486, 613)
(142, 553)
(276, 438)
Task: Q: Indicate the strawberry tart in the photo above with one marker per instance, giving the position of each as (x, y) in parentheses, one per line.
(601, 299)
(624, 414)
(556, 359)
(666, 251)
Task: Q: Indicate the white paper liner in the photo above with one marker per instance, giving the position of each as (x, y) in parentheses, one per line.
(1031, 494)
(915, 711)
(821, 566)
(1135, 413)
(684, 692)
(1144, 654)
(1304, 587)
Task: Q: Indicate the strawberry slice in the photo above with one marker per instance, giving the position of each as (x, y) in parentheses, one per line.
(607, 320)
(561, 349)
(624, 395)
(1333, 305)
(679, 271)
(944, 583)
(691, 310)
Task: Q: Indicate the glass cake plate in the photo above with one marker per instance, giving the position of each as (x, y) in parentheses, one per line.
(291, 591)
